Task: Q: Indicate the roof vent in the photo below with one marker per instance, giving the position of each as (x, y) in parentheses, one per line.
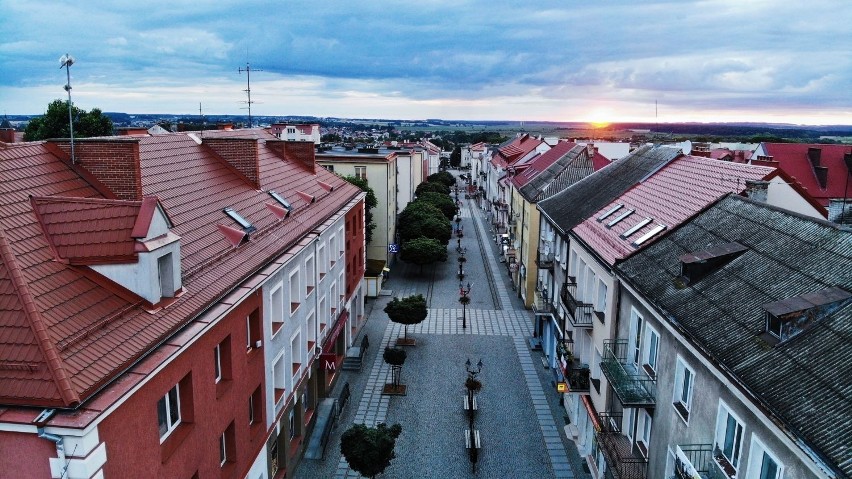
(234, 236)
(326, 186)
(281, 200)
(696, 265)
(310, 199)
(789, 317)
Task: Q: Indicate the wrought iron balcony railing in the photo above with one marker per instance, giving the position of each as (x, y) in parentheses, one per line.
(579, 313)
(541, 303)
(695, 458)
(634, 387)
(577, 377)
(623, 460)
(544, 261)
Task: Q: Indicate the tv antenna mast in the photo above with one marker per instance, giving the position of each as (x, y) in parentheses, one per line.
(248, 71)
(65, 61)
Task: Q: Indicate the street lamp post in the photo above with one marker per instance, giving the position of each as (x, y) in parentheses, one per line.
(65, 62)
(464, 299)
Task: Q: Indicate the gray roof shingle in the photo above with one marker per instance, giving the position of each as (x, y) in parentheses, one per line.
(804, 381)
(574, 204)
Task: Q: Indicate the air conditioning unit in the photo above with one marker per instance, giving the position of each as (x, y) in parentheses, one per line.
(258, 344)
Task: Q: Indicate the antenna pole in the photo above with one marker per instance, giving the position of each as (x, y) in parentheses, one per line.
(247, 69)
(65, 62)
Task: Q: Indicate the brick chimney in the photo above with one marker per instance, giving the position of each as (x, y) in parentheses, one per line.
(7, 135)
(302, 152)
(114, 162)
(240, 153)
(765, 160)
(757, 190)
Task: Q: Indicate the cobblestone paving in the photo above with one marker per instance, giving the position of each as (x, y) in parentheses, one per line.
(520, 419)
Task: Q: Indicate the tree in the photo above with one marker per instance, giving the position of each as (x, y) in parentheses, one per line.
(455, 157)
(422, 251)
(370, 202)
(444, 177)
(405, 311)
(441, 201)
(54, 123)
(423, 219)
(396, 358)
(428, 186)
(369, 450)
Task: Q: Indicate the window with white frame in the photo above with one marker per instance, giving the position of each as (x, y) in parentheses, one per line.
(341, 282)
(652, 346)
(600, 303)
(635, 339)
(572, 264)
(340, 241)
(276, 307)
(729, 437)
(279, 380)
(291, 423)
(589, 290)
(643, 433)
(682, 400)
(762, 463)
(332, 256)
(322, 261)
(296, 356)
(361, 172)
(312, 332)
(168, 412)
(323, 313)
(333, 301)
(295, 291)
(310, 275)
(581, 271)
(217, 363)
(223, 449)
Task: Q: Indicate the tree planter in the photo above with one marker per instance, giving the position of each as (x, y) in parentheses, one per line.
(394, 390)
(396, 358)
(406, 342)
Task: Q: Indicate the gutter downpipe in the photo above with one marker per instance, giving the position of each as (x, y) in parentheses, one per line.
(41, 422)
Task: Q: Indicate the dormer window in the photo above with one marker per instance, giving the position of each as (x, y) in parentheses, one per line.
(638, 226)
(789, 317)
(244, 223)
(280, 199)
(609, 212)
(619, 218)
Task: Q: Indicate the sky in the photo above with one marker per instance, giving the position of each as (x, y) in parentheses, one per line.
(779, 61)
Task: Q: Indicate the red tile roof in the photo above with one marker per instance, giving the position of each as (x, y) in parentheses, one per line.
(541, 162)
(673, 194)
(793, 159)
(65, 331)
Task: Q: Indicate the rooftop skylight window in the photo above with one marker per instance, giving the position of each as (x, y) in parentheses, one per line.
(638, 226)
(280, 199)
(654, 231)
(611, 211)
(619, 218)
(244, 223)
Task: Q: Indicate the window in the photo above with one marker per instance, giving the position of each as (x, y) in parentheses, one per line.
(644, 432)
(729, 437)
(279, 378)
(244, 223)
(652, 342)
(649, 235)
(683, 389)
(168, 412)
(331, 256)
(253, 335)
(281, 200)
(166, 274)
(600, 304)
(295, 293)
(323, 313)
(310, 275)
(296, 356)
(323, 260)
(312, 332)
(619, 218)
(635, 334)
(572, 264)
(276, 307)
(217, 362)
(329, 168)
(609, 212)
(340, 241)
(227, 446)
(223, 450)
(361, 172)
(291, 423)
(342, 282)
(638, 226)
(763, 464)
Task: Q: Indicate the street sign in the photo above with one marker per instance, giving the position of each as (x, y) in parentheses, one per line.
(393, 248)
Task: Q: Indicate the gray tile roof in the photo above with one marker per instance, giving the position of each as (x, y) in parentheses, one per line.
(564, 172)
(571, 206)
(804, 381)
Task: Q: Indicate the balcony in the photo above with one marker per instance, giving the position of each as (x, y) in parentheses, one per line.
(577, 377)
(622, 459)
(633, 387)
(580, 313)
(696, 459)
(544, 261)
(541, 303)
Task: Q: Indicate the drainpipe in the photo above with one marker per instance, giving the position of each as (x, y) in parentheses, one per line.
(40, 422)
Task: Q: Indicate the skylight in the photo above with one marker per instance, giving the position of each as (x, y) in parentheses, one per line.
(638, 226)
(244, 223)
(611, 211)
(280, 199)
(654, 231)
(620, 217)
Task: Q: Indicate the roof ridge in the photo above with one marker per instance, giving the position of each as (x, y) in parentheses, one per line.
(48, 349)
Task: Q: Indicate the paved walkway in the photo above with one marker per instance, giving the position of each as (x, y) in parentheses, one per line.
(520, 433)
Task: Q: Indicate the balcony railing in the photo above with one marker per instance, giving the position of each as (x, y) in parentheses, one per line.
(541, 303)
(633, 387)
(698, 460)
(577, 377)
(544, 261)
(622, 459)
(579, 313)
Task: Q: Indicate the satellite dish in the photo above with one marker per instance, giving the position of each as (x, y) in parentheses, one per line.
(66, 60)
(686, 147)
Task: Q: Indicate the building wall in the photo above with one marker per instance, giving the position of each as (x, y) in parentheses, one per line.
(710, 389)
(784, 196)
(24, 455)
(131, 432)
(355, 249)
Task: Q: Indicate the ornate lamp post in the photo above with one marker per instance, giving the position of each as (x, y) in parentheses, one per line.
(464, 299)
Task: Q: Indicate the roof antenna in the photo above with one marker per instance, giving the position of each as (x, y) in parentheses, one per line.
(65, 61)
(248, 71)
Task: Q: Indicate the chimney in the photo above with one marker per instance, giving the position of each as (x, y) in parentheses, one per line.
(821, 173)
(302, 152)
(114, 162)
(765, 160)
(240, 153)
(840, 211)
(7, 135)
(813, 155)
(757, 190)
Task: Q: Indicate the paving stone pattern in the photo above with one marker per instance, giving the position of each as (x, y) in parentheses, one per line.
(520, 419)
